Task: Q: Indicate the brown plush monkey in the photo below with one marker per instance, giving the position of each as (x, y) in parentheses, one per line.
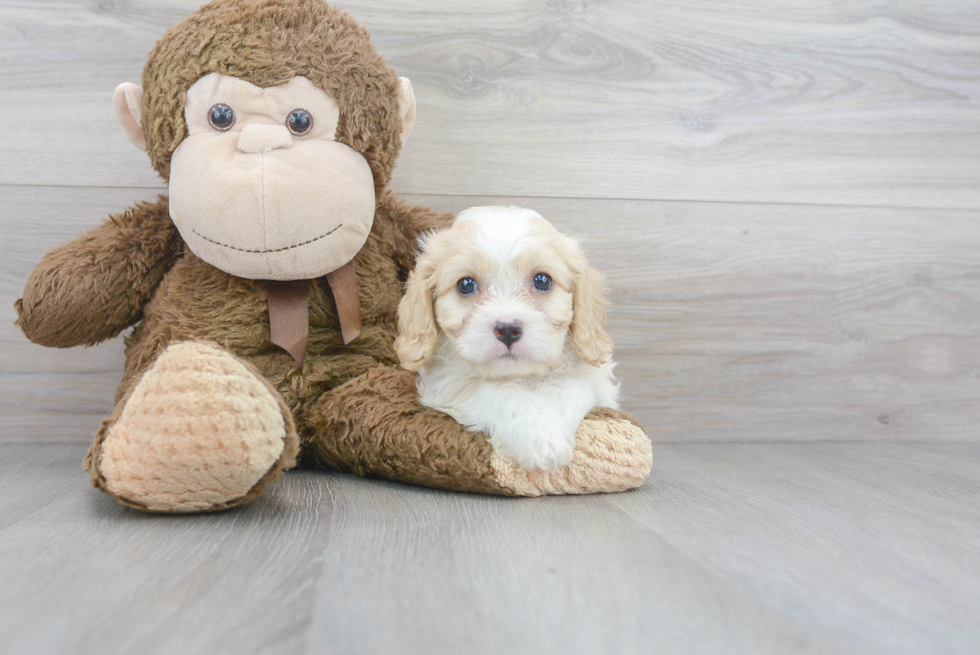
(264, 291)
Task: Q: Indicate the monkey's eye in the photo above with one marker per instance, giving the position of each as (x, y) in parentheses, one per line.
(542, 282)
(221, 117)
(466, 286)
(299, 122)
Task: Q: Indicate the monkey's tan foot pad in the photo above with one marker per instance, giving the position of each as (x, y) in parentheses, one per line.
(611, 454)
(201, 431)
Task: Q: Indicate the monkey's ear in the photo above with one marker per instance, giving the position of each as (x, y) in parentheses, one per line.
(128, 101)
(406, 106)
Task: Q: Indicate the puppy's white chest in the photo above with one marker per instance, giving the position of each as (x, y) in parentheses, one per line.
(530, 420)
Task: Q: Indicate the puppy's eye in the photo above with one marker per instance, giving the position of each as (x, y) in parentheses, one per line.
(542, 282)
(221, 117)
(466, 286)
(299, 122)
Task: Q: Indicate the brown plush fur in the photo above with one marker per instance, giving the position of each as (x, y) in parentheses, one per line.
(96, 287)
(352, 408)
(371, 442)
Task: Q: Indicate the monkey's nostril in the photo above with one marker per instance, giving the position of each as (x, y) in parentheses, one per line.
(507, 333)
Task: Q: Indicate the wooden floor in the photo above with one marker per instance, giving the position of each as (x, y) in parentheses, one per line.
(785, 199)
(729, 548)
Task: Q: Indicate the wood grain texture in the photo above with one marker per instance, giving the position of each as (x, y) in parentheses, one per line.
(733, 322)
(794, 300)
(728, 548)
(853, 102)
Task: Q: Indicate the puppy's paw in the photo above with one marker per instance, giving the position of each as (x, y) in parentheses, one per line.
(612, 454)
(548, 454)
(538, 446)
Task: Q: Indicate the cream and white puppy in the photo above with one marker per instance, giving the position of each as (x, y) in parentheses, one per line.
(503, 320)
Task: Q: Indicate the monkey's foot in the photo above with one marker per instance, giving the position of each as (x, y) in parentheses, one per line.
(201, 431)
(612, 454)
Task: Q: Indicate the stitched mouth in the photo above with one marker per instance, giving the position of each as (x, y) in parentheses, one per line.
(263, 252)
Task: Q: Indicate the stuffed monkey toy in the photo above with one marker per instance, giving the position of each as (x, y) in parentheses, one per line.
(264, 290)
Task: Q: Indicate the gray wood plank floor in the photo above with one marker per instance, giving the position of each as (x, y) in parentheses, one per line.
(728, 548)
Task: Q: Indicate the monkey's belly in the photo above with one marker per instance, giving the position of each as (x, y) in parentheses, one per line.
(196, 301)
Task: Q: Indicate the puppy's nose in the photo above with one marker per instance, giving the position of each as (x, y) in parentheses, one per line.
(508, 333)
(256, 139)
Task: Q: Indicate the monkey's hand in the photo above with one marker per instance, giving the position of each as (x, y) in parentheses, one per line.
(94, 287)
(374, 425)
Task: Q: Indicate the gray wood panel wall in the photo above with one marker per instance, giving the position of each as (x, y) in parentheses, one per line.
(785, 199)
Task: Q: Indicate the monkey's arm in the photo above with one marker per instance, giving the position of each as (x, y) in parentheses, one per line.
(374, 425)
(94, 287)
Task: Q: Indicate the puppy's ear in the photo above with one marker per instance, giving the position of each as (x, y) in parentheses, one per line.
(589, 336)
(416, 319)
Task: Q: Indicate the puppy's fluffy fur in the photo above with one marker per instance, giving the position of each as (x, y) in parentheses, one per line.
(528, 395)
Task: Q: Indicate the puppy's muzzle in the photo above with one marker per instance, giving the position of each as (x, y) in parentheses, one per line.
(507, 333)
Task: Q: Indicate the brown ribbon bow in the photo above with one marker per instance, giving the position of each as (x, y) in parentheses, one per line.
(289, 310)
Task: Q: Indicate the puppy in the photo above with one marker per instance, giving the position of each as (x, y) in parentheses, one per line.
(503, 320)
